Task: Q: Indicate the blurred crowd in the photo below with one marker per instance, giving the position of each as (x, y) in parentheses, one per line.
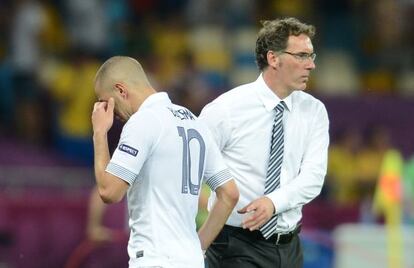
(195, 50)
(354, 165)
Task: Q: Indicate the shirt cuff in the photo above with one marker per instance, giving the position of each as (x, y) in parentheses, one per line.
(280, 200)
(219, 179)
(121, 173)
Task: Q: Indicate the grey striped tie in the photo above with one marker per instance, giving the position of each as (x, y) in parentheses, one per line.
(275, 164)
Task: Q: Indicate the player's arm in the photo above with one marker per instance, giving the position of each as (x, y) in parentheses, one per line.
(95, 230)
(218, 178)
(227, 197)
(216, 117)
(111, 188)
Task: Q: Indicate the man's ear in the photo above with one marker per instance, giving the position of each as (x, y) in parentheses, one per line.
(122, 90)
(272, 59)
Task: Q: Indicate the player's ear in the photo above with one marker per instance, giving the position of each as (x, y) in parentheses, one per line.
(121, 90)
(272, 59)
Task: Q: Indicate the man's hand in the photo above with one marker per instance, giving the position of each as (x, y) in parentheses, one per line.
(261, 210)
(103, 116)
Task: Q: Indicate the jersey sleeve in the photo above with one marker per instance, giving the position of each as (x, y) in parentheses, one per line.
(216, 172)
(138, 138)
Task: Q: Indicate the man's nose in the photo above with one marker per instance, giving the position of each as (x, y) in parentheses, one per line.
(310, 65)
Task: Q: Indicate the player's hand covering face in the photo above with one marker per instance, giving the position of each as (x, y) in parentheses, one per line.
(103, 115)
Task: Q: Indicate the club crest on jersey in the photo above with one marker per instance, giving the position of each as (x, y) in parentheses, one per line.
(128, 149)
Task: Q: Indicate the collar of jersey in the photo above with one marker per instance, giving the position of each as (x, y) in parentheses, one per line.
(155, 98)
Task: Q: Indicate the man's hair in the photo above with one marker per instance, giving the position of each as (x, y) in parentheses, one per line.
(274, 36)
(121, 68)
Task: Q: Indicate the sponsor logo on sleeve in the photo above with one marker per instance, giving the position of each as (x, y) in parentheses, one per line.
(128, 149)
(140, 254)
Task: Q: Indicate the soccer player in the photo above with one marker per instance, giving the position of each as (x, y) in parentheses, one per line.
(163, 154)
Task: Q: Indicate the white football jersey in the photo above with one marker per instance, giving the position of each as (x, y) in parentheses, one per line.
(163, 154)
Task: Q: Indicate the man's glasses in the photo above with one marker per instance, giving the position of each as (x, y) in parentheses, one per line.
(302, 56)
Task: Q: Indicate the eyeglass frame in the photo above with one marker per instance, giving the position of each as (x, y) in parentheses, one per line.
(302, 56)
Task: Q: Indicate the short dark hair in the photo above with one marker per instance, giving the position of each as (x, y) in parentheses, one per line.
(274, 36)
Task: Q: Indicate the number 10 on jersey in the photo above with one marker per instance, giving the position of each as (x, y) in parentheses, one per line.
(187, 180)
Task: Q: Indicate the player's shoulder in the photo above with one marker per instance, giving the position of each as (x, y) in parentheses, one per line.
(182, 114)
(306, 100)
(179, 112)
(147, 116)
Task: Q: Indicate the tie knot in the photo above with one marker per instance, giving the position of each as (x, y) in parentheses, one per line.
(280, 107)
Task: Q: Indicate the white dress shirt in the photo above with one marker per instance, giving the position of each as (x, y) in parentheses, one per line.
(241, 122)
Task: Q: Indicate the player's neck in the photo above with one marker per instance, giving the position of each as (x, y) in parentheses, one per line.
(139, 96)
